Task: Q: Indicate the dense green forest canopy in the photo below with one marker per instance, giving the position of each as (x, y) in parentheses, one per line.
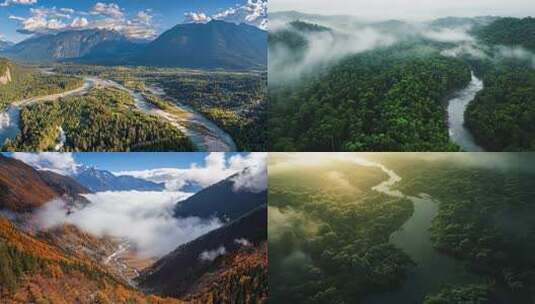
(103, 120)
(328, 234)
(486, 216)
(329, 231)
(510, 32)
(502, 116)
(394, 98)
(382, 100)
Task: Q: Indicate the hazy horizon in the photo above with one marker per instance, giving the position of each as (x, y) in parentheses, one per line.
(405, 9)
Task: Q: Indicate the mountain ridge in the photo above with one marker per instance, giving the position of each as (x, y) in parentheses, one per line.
(212, 45)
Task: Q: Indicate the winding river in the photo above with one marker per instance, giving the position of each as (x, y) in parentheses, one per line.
(433, 270)
(203, 133)
(459, 134)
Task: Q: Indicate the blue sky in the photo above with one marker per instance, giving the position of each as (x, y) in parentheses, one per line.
(173, 169)
(142, 161)
(135, 18)
(127, 161)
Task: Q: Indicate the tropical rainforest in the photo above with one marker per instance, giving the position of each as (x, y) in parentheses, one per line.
(354, 228)
(331, 89)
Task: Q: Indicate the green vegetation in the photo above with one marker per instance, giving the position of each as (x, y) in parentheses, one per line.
(103, 120)
(329, 234)
(510, 32)
(473, 294)
(486, 215)
(27, 84)
(501, 116)
(235, 101)
(375, 101)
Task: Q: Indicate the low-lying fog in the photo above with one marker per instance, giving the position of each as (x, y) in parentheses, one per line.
(352, 35)
(145, 218)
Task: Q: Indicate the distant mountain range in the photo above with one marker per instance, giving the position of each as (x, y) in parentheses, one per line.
(216, 44)
(101, 180)
(5, 45)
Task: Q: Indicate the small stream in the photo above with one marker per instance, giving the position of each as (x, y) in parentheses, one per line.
(433, 270)
(459, 134)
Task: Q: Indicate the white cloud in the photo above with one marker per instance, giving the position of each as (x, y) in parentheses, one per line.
(102, 16)
(254, 12)
(242, 242)
(79, 22)
(43, 20)
(253, 172)
(144, 17)
(21, 2)
(107, 9)
(144, 218)
(193, 17)
(210, 255)
(448, 35)
(12, 17)
(216, 169)
(61, 163)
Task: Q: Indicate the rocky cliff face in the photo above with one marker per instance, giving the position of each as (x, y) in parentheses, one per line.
(5, 78)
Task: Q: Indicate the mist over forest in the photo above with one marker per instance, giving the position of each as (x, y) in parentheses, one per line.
(350, 83)
(401, 228)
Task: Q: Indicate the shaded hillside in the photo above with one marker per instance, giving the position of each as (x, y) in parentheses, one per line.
(63, 184)
(240, 277)
(22, 188)
(217, 44)
(202, 259)
(220, 200)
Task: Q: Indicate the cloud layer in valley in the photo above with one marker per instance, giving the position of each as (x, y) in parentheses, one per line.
(144, 218)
